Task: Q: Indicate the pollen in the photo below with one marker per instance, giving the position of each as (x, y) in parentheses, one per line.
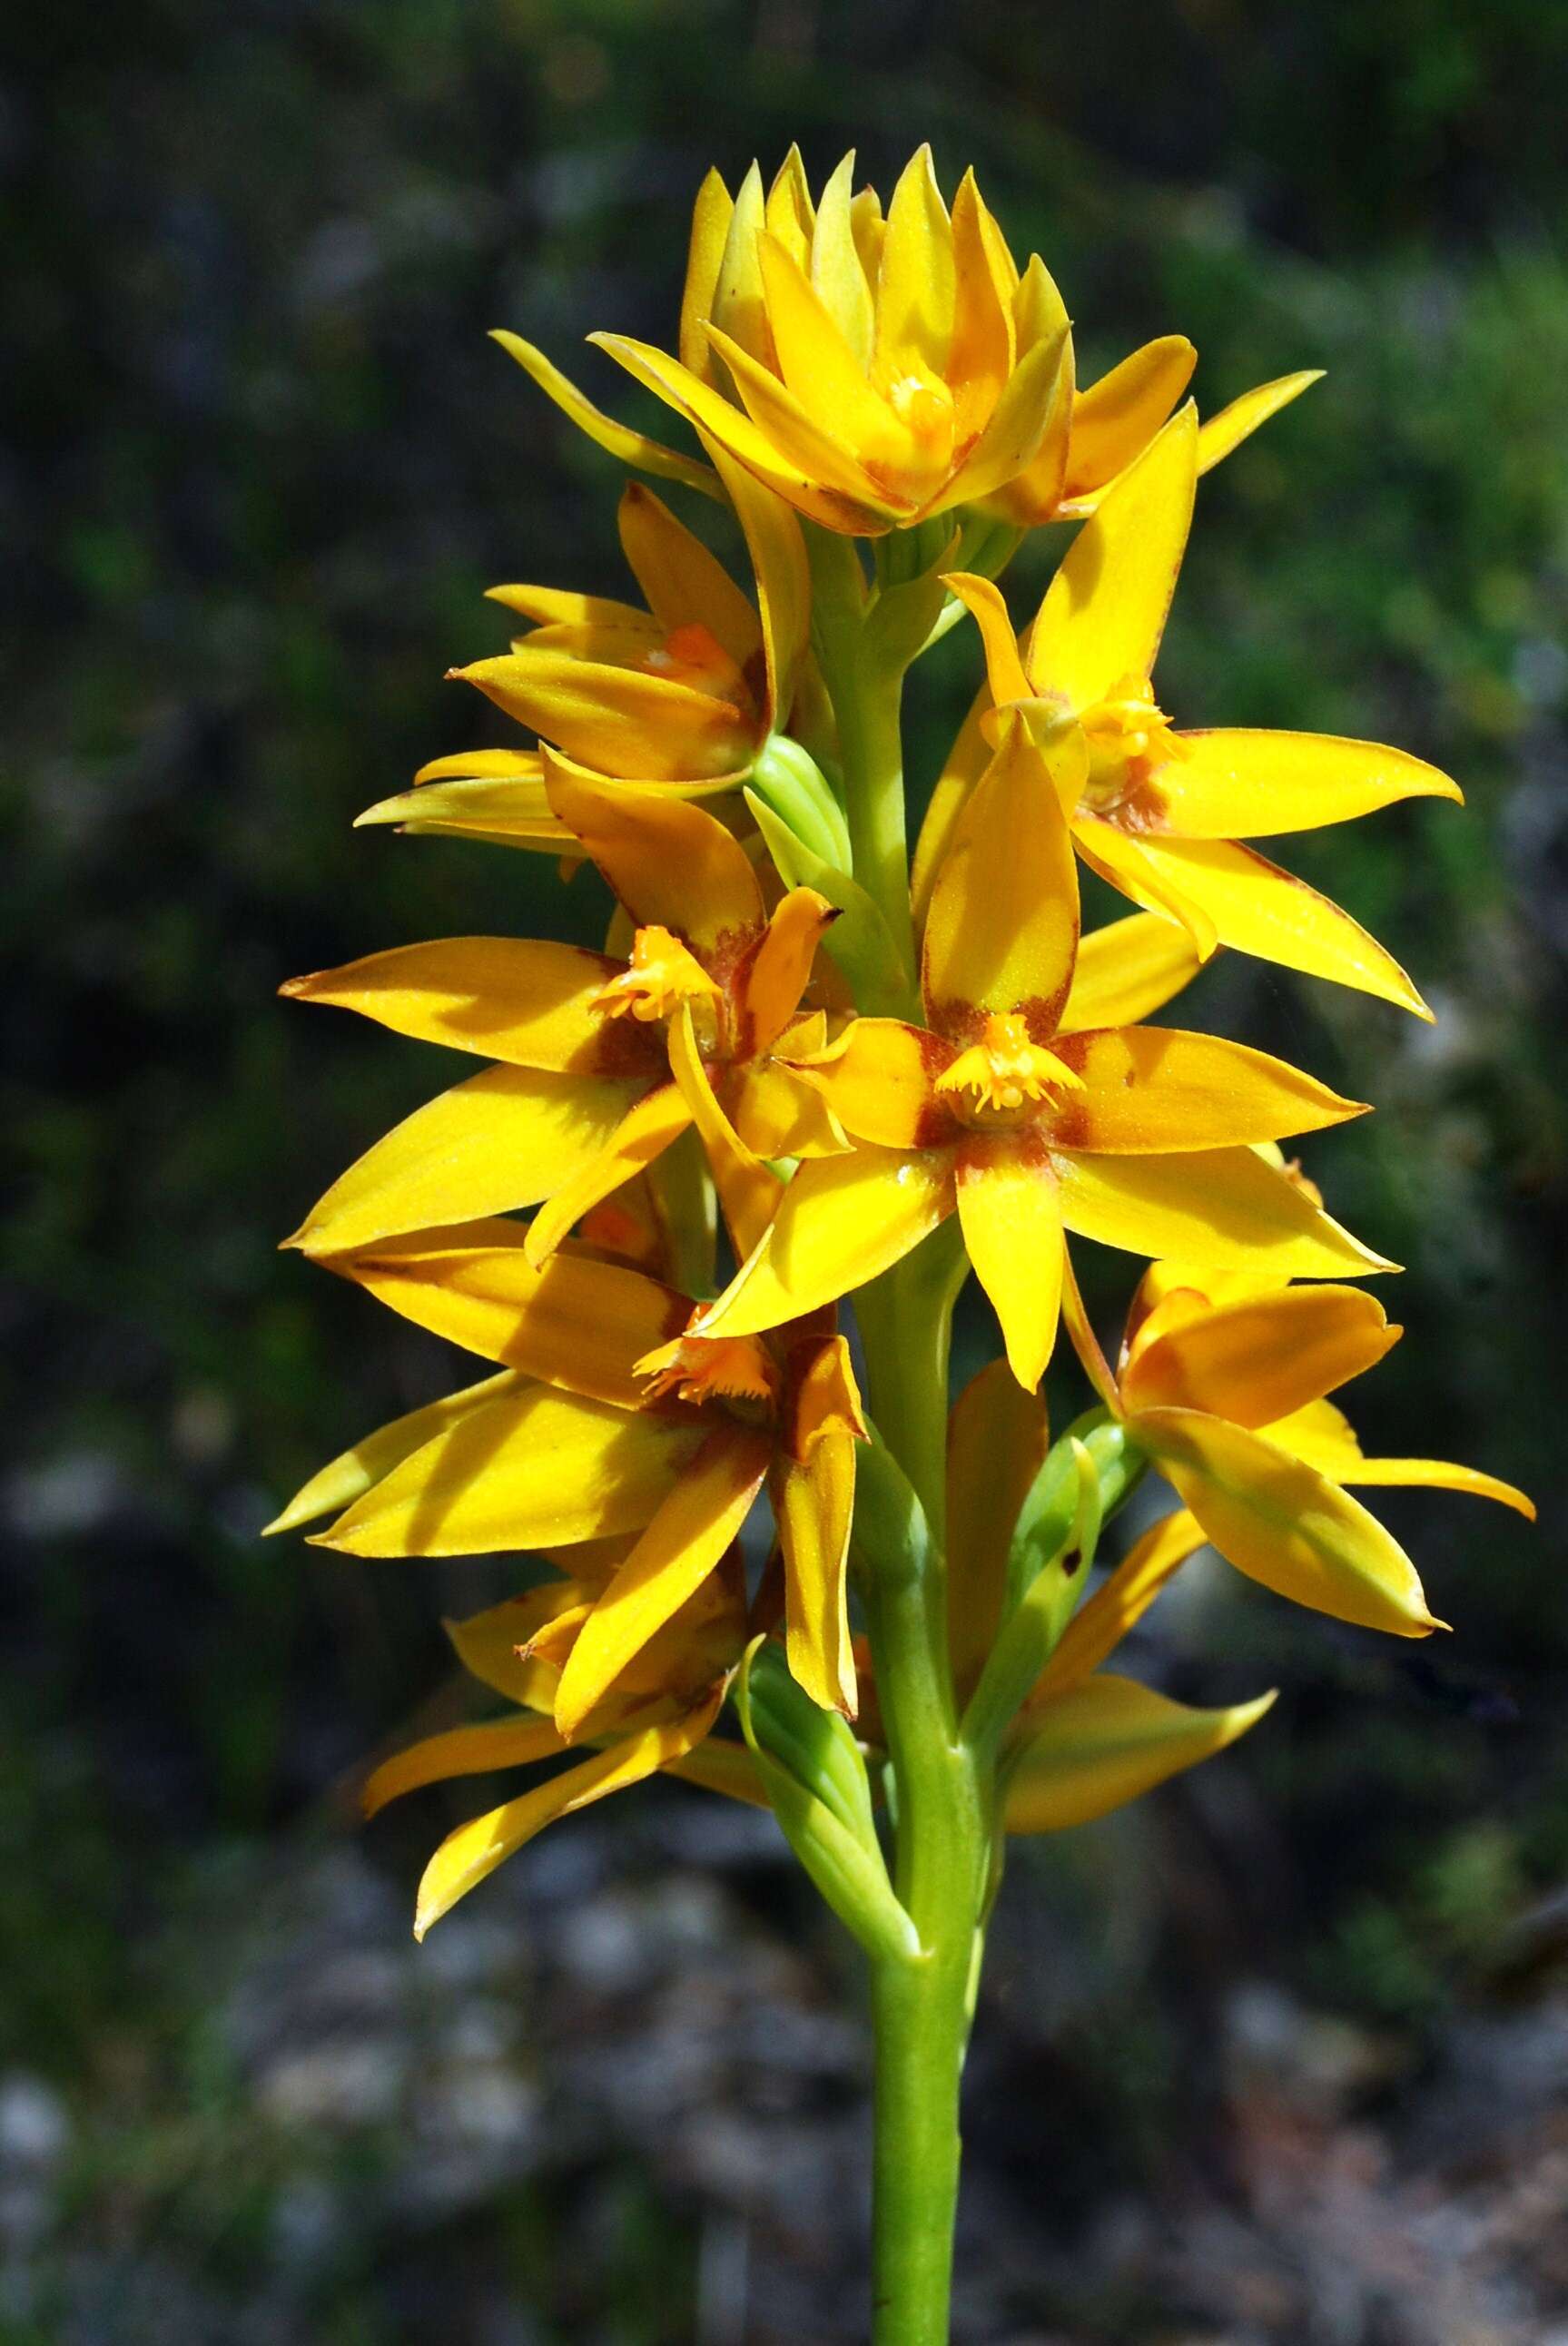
(698, 1369)
(1005, 1071)
(659, 977)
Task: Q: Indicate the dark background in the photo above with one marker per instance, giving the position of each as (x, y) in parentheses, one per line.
(1278, 2057)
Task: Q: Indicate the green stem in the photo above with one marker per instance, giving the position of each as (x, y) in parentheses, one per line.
(866, 695)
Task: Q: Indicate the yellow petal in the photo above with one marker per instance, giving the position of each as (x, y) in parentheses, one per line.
(738, 303)
(1256, 908)
(484, 765)
(710, 218)
(777, 978)
(1128, 969)
(1106, 1743)
(1104, 611)
(671, 865)
(966, 762)
(572, 1323)
(1233, 424)
(982, 348)
(722, 1767)
(1322, 1435)
(916, 285)
(1003, 667)
(532, 1470)
(684, 584)
(511, 814)
(648, 1127)
(680, 1548)
(1012, 1219)
(838, 274)
(840, 1222)
(627, 447)
(814, 1502)
(1120, 1602)
(773, 539)
(1003, 928)
(819, 368)
(1286, 1525)
(490, 1645)
(789, 212)
(878, 1083)
(1114, 419)
(344, 1478)
(748, 1189)
(1258, 1360)
(460, 1751)
(1247, 785)
(1155, 1089)
(519, 999)
(1127, 865)
(997, 1438)
(804, 443)
(556, 606)
(1219, 1206)
(1437, 1474)
(775, 1114)
(1022, 422)
(467, 1856)
(619, 721)
(505, 1138)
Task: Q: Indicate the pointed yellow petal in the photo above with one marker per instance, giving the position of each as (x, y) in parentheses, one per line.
(819, 368)
(982, 351)
(722, 1767)
(1002, 927)
(490, 1645)
(1012, 1219)
(1256, 908)
(841, 1221)
(789, 214)
(1126, 971)
(627, 447)
(997, 1438)
(532, 1470)
(1023, 422)
(1108, 1742)
(345, 1478)
(916, 285)
(1247, 785)
(1219, 1206)
(671, 865)
(505, 1138)
(710, 218)
(1261, 1360)
(1104, 611)
(966, 762)
(738, 304)
(772, 986)
(573, 1322)
(793, 430)
(557, 607)
(619, 721)
(676, 1553)
(748, 1189)
(776, 1113)
(783, 578)
(1153, 1089)
(522, 1000)
(837, 275)
(509, 814)
(1003, 668)
(1114, 419)
(878, 1081)
(1233, 424)
(684, 584)
(461, 1751)
(484, 765)
(814, 1502)
(1286, 1525)
(1125, 864)
(1322, 1435)
(467, 1856)
(1119, 1603)
(1437, 1474)
(647, 1128)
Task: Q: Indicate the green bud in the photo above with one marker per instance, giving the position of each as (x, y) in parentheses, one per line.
(788, 779)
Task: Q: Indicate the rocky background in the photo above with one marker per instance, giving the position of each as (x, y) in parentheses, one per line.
(1279, 2059)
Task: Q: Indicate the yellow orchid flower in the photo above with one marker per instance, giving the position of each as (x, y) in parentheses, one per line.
(1222, 1382)
(617, 1420)
(1137, 1136)
(1161, 813)
(656, 1718)
(585, 1096)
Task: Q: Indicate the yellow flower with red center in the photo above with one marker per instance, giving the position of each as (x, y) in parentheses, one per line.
(1159, 812)
(1013, 1106)
(584, 1094)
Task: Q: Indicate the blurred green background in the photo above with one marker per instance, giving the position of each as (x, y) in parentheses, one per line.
(258, 462)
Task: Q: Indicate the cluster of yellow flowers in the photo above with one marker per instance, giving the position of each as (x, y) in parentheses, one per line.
(800, 1046)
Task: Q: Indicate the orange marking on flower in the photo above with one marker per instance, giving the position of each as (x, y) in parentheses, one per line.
(737, 1371)
(1005, 1074)
(1130, 739)
(661, 974)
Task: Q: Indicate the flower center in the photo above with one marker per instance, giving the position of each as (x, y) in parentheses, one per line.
(1129, 738)
(660, 975)
(692, 656)
(1005, 1075)
(737, 1371)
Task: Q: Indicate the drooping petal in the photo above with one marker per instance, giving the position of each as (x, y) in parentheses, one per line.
(1437, 1474)
(1104, 611)
(1157, 1089)
(670, 865)
(1120, 1602)
(997, 1438)
(748, 1189)
(777, 978)
(814, 1502)
(531, 1470)
(1106, 1743)
(680, 1548)
(1258, 1360)
(878, 1081)
(840, 1222)
(1284, 1524)
(684, 584)
(981, 597)
(474, 1851)
(1003, 928)
(476, 1751)
(649, 1127)
(1128, 969)
(573, 1321)
(1256, 908)
(1219, 1206)
(620, 721)
(1114, 419)
(1010, 1214)
(505, 1138)
(522, 1000)
(634, 449)
(1242, 784)
(1231, 425)
(773, 539)
(344, 1478)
